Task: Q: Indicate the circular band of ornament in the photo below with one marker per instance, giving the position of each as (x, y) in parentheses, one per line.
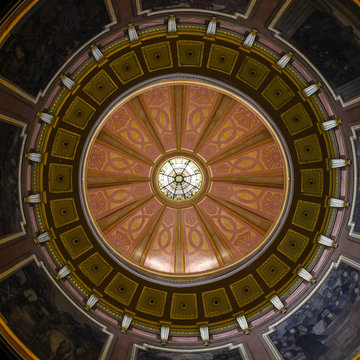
(179, 178)
(252, 72)
(202, 169)
(242, 157)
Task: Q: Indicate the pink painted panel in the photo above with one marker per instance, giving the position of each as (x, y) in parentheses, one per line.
(152, 23)
(144, 333)
(161, 253)
(32, 219)
(343, 182)
(235, 28)
(238, 236)
(327, 106)
(73, 291)
(296, 293)
(109, 39)
(51, 97)
(107, 161)
(302, 71)
(270, 45)
(199, 254)
(340, 142)
(264, 202)
(105, 316)
(35, 135)
(185, 339)
(321, 261)
(104, 201)
(226, 334)
(190, 20)
(78, 63)
(263, 159)
(239, 123)
(263, 318)
(124, 236)
(127, 128)
(28, 177)
(337, 222)
(48, 258)
(199, 106)
(159, 105)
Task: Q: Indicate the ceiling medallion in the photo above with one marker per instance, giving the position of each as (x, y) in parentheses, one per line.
(107, 228)
(179, 178)
(185, 198)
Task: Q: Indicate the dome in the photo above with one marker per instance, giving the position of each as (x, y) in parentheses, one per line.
(228, 163)
(179, 179)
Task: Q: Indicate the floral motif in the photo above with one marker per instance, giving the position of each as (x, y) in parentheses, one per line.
(121, 242)
(140, 169)
(97, 203)
(190, 219)
(96, 158)
(242, 238)
(118, 120)
(156, 96)
(272, 203)
(246, 117)
(202, 96)
(211, 209)
(221, 189)
(140, 190)
(169, 219)
(272, 157)
(223, 168)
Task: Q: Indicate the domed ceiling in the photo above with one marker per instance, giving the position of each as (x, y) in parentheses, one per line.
(186, 180)
(118, 128)
(143, 192)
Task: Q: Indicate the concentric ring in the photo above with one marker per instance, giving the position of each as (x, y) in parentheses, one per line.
(179, 178)
(216, 227)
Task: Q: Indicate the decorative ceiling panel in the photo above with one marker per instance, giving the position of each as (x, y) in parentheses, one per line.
(151, 256)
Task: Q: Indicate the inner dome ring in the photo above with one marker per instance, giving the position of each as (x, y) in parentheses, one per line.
(179, 178)
(209, 275)
(183, 203)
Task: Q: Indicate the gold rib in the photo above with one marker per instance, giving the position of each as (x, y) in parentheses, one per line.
(224, 105)
(271, 180)
(256, 221)
(258, 138)
(179, 252)
(109, 139)
(224, 253)
(179, 113)
(141, 250)
(100, 180)
(109, 221)
(139, 109)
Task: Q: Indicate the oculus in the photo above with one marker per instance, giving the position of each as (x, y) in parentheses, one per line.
(179, 178)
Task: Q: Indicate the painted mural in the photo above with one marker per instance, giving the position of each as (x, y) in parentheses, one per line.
(226, 6)
(332, 46)
(42, 318)
(336, 56)
(40, 45)
(327, 327)
(10, 145)
(224, 354)
(356, 214)
(6, 6)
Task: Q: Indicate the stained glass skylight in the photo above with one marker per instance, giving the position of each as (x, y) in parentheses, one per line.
(179, 178)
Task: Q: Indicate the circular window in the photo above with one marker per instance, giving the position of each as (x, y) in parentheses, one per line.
(179, 178)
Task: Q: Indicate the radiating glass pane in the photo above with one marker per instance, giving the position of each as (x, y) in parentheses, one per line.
(179, 178)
